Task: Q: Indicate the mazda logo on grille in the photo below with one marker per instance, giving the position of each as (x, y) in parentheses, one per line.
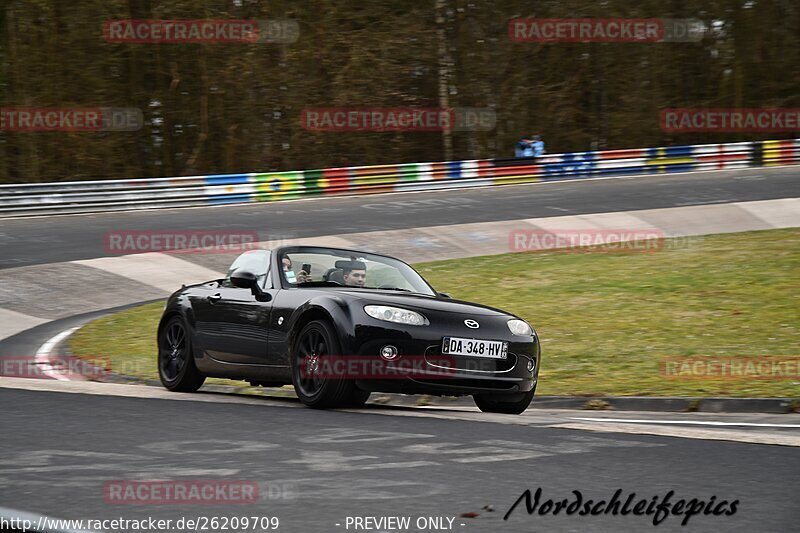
(471, 324)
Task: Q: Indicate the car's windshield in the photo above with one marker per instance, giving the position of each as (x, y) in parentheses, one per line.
(325, 267)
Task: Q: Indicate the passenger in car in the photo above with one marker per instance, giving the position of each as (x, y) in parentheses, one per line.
(291, 277)
(355, 274)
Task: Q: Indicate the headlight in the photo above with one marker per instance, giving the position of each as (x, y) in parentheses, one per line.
(519, 327)
(396, 314)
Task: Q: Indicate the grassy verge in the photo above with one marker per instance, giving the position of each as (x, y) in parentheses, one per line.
(608, 321)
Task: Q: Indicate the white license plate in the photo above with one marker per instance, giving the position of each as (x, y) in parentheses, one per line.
(474, 347)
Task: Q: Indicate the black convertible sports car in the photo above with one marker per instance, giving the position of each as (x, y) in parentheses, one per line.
(339, 324)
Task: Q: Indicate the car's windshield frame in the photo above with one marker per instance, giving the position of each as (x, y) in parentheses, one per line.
(403, 267)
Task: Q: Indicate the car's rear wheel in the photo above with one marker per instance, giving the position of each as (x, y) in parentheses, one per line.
(499, 404)
(176, 366)
(311, 357)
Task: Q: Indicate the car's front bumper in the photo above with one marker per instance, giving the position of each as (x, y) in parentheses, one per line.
(456, 385)
(447, 375)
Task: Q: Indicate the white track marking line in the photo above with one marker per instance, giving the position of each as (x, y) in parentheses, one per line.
(750, 437)
(686, 422)
(45, 350)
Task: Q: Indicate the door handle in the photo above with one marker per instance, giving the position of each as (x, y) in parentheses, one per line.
(214, 298)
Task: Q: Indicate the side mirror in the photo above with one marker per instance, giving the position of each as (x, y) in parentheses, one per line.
(444, 295)
(244, 279)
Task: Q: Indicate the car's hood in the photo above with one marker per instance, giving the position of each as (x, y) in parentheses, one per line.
(420, 301)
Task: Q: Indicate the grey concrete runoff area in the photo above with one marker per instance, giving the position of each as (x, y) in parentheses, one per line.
(75, 449)
(56, 255)
(67, 444)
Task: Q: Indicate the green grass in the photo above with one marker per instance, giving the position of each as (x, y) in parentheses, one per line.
(606, 320)
(125, 340)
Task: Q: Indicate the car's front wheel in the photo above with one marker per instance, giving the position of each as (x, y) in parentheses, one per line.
(314, 384)
(357, 398)
(499, 404)
(176, 366)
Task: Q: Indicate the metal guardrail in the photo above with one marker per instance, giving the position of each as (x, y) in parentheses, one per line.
(113, 195)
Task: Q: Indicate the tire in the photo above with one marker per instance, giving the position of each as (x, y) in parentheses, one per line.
(176, 367)
(357, 398)
(496, 404)
(318, 338)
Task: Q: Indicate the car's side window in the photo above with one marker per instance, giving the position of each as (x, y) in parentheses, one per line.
(256, 261)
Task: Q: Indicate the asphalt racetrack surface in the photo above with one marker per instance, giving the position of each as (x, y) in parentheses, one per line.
(319, 471)
(314, 469)
(39, 240)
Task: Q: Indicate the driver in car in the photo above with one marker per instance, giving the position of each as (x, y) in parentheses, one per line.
(355, 275)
